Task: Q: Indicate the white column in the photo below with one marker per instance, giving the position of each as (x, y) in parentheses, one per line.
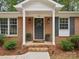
(24, 31)
(8, 26)
(53, 27)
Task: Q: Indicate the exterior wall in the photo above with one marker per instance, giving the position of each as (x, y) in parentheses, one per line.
(59, 39)
(20, 31)
(29, 29)
(77, 26)
(19, 36)
(48, 25)
(29, 25)
(48, 28)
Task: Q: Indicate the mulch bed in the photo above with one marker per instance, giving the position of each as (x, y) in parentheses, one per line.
(17, 51)
(60, 54)
(57, 53)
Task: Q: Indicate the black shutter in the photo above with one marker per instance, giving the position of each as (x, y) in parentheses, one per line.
(72, 26)
(56, 26)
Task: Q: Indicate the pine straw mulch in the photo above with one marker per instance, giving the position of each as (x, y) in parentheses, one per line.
(60, 54)
(17, 51)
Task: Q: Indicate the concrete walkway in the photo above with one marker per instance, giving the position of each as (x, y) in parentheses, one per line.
(29, 55)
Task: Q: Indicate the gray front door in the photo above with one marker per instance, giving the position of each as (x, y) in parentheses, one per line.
(38, 28)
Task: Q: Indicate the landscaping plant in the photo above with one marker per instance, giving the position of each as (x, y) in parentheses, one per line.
(10, 45)
(67, 45)
(75, 41)
(28, 36)
(2, 38)
(47, 37)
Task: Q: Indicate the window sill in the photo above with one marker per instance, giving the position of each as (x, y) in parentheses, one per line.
(63, 36)
(11, 35)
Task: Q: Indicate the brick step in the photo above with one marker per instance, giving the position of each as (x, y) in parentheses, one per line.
(38, 49)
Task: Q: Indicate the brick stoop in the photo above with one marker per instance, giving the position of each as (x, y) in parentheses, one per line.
(41, 48)
(37, 49)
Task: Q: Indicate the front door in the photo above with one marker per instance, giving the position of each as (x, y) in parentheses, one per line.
(38, 26)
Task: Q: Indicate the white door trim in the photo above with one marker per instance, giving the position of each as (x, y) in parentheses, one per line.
(34, 28)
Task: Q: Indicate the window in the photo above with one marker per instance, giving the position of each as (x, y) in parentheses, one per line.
(3, 25)
(13, 26)
(8, 26)
(63, 23)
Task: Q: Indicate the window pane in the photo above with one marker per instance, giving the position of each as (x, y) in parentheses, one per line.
(13, 29)
(13, 26)
(63, 23)
(13, 21)
(4, 25)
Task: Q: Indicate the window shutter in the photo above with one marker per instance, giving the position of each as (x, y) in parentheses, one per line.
(72, 26)
(56, 26)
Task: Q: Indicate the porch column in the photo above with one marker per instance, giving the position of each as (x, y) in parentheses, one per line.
(53, 27)
(24, 31)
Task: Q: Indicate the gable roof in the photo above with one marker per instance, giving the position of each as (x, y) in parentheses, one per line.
(52, 2)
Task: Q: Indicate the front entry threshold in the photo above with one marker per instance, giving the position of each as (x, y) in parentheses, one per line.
(38, 40)
(32, 43)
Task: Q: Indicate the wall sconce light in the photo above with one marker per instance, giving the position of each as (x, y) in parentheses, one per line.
(29, 20)
(48, 21)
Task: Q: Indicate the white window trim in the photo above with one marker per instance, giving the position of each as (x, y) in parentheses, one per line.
(8, 26)
(10, 35)
(68, 30)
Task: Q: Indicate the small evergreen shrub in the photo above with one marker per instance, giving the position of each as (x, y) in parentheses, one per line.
(67, 45)
(28, 37)
(9, 45)
(75, 41)
(47, 37)
(2, 38)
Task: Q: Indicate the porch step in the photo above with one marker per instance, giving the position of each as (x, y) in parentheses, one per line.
(39, 49)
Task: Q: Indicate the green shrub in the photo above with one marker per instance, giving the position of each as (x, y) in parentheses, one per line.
(2, 37)
(47, 37)
(11, 44)
(28, 37)
(75, 41)
(67, 45)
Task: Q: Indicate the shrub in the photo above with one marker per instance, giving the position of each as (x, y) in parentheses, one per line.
(75, 41)
(2, 37)
(47, 37)
(11, 44)
(67, 45)
(28, 36)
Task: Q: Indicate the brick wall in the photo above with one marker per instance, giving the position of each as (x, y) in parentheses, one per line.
(29, 25)
(77, 26)
(20, 31)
